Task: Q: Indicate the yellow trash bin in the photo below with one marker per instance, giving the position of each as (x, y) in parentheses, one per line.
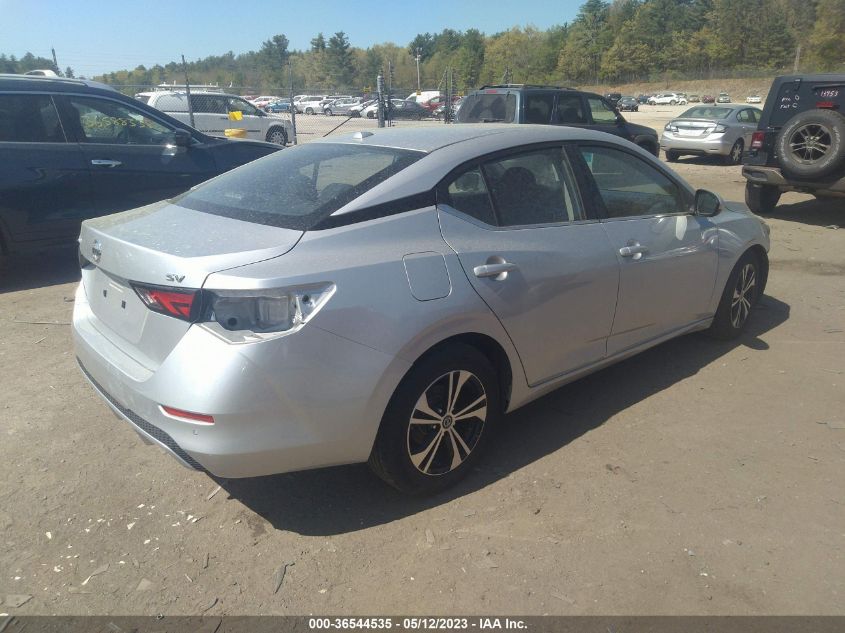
(235, 133)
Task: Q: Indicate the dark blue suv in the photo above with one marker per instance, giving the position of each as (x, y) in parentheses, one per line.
(552, 105)
(72, 150)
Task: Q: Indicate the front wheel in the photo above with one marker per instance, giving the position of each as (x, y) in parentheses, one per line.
(327, 112)
(672, 156)
(761, 199)
(277, 135)
(437, 421)
(741, 293)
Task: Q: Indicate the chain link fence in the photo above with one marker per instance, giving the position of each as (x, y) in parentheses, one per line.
(279, 116)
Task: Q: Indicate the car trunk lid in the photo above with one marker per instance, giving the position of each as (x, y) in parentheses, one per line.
(162, 245)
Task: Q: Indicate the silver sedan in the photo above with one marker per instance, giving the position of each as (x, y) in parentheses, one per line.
(710, 130)
(389, 295)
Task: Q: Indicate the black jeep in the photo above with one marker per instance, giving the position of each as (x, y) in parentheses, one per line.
(799, 144)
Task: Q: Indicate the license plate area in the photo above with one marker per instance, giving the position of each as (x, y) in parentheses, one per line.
(115, 304)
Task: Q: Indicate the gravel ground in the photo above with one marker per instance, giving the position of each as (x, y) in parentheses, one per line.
(700, 477)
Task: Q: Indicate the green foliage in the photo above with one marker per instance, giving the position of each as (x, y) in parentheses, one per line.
(612, 41)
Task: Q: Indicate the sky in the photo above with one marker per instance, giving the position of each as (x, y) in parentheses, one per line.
(96, 36)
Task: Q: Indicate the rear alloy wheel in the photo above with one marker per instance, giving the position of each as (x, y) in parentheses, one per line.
(812, 144)
(437, 421)
(278, 136)
(309, 110)
(738, 299)
(328, 111)
(761, 199)
(735, 155)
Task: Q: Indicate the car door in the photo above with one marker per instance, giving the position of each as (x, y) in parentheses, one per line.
(45, 187)
(667, 255)
(130, 154)
(210, 114)
(748, 121)
(545, 269)
(242, 115)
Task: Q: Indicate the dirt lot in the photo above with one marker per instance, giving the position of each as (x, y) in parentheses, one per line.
(698, 478)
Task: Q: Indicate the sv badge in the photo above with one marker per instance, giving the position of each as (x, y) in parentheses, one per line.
(174, 277)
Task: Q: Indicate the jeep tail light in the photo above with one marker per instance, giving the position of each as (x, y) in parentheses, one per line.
(827, 105)
(175, 302)
(757, 140)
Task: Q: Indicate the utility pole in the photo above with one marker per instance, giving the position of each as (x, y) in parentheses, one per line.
(290, 95)
(389, 103)
(55, 62)
(188, 92)
(417, 57)
(797, 59)
(380, 97)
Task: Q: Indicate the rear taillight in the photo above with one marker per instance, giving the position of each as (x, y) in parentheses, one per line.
(826, 105)
(757, 140)
(175, 302)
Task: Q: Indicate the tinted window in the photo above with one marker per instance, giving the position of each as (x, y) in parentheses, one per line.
(531, 188)
(538, 108)
(629, 186)
(208, 104)
(602, 113)
(570, 109)
(29, 119)
(480, 108)
(105, 121)
(745, 116)
(468, 193)
(299, 187)
(706, 112)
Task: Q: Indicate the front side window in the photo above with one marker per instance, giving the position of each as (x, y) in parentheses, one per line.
(29, 119)
(532, 188)
(299, 187)
(602, 114)
(105, 121)
(629, 187)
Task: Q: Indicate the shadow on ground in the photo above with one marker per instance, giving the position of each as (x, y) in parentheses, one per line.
(38, 270)
(825, 212)
(345, 499)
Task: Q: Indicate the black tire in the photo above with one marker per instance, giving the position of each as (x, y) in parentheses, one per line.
(278, 135)
(812, 144)
(743, 289)
(355, 114)
(650, 147)
(761, 199)
(370, 115)
(430, 382)
(672, 156)
(734, 157)
(673, 102)
(327, 112)
(309, 110)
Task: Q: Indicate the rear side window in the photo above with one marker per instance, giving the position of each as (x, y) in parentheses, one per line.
(468, 194)
(629, 187)
(172, 103)
(488, 108)
(570, 110)
(29, 119)
(532, 188)
(538, 108)
(299, 187)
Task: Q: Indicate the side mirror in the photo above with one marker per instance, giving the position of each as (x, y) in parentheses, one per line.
(181, 138)
(707, 203)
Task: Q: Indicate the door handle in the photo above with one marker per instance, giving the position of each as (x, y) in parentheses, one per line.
(105, 162)
(494, 270)
(634, 250)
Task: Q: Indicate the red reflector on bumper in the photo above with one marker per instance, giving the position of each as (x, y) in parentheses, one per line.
(188, 415)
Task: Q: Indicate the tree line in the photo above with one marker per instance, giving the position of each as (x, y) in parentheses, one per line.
(607, 42)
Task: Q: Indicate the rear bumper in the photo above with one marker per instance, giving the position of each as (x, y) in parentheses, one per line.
(772, 176)
(696, 146)
(302, 401)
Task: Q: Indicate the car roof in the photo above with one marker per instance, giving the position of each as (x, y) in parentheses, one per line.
(429, 139)
(37, 83)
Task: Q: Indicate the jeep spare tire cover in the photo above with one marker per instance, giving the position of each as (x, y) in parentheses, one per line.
(812, 144)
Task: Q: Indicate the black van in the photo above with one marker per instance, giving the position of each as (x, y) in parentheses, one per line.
(72, 150)
(552, 105)
(799, 144)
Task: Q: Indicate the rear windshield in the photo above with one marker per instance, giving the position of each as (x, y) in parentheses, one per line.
(298, 187)
(488, 108)
(706, 112)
